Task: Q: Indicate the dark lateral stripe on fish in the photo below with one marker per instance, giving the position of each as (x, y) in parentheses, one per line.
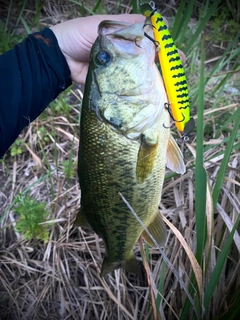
(178, 75)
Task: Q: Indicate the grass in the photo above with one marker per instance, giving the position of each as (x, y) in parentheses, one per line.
(196, 274)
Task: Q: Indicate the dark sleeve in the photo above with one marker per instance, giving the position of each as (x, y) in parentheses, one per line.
(32, 75)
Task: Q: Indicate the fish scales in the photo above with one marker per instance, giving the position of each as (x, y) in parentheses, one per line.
(123, 143)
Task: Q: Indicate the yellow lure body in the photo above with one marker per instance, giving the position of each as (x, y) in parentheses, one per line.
(172, 69)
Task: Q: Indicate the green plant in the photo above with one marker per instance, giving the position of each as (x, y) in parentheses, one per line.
(7, 40)
(224, 24)
(62, 105)
(43, 134)
(31, 216)
(17, 148)
(68, 168)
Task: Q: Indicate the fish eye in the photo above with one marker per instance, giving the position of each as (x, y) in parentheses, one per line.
(103, 57)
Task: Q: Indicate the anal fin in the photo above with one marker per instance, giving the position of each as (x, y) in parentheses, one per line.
(157, 229)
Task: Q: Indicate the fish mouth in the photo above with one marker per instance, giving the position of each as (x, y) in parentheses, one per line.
(122, 37)
(121, 30)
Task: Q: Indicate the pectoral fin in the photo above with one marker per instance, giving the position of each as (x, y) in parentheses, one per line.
(157, 229)
(146, 159)
(174, 159)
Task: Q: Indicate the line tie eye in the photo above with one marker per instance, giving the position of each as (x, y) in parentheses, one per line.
(103, 57)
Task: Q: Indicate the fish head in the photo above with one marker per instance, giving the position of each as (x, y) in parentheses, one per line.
(121, 51)
(126, 91)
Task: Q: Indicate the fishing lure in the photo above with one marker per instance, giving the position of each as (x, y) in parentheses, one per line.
(172, 70)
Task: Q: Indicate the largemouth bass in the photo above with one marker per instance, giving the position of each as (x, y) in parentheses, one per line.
(125, 143)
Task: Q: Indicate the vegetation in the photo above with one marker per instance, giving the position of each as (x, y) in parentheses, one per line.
(196, 275)
(32, 216)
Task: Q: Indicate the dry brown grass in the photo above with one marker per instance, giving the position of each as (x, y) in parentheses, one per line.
(61, 279)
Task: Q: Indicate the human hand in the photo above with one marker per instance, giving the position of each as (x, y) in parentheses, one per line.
(76, 37)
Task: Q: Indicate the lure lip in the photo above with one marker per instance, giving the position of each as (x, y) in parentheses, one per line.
(189, 127)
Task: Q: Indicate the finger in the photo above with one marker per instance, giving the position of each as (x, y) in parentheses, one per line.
(131, 18)
(182, 56)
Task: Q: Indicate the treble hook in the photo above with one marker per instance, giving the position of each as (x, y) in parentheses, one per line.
(167, 107)
(156, 43)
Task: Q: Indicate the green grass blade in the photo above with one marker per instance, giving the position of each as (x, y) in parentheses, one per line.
(200, 183)
(225, 140)
(135, 6)
(234, 310)
(182, 28)
(211, 286)
(178, 20)
(160, 287)
(219, 89)
(230, 119)
(26, 25)
(209, 12)
(9, 14)
(21, 11)
(97, 6)
(82, 8)
(200, 173)
(36, 20)
(224, 164)
(222, 62)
